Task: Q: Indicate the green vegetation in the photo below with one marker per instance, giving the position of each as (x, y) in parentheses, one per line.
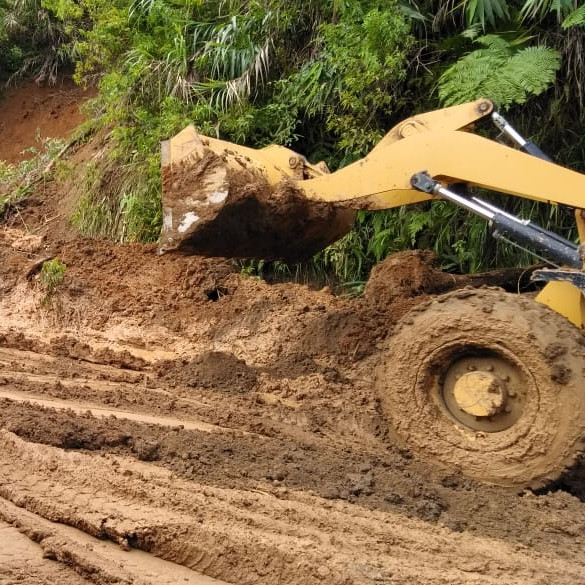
(325, 77)
(51, 277)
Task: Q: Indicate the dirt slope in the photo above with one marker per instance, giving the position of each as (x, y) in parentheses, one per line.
(167, 420)
(31, 111)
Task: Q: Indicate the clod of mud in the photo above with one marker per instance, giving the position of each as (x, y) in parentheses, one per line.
(214, 210)
(22, 241)
(213, 370)
(414, 273)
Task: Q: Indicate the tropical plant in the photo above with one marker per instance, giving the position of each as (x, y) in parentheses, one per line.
(575, 18)
(506, 72)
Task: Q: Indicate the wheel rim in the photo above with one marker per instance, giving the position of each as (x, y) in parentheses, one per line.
(482, 391)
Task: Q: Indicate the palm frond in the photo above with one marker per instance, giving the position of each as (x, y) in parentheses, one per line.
(539, 9)
(11, 23)
(226, 92)
(486, 11)
(142, 7)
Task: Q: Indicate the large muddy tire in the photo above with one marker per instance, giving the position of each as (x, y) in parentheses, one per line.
(488, 383)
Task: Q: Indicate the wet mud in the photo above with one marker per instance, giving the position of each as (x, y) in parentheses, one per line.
(263, 394)
(211, 209)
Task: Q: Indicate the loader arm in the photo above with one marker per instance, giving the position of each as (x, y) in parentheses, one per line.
(450, 154)
(440, 144)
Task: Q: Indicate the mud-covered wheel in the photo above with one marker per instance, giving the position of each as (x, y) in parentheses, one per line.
(488, 383)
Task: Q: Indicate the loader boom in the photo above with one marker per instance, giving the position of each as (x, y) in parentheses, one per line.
(440, 144)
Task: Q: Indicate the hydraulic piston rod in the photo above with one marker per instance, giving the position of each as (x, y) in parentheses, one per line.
(515, 136)
(507, 226)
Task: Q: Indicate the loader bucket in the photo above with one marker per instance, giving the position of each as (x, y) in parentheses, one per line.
(220, 199)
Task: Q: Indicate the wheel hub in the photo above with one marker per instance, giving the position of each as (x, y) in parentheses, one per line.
(480, 393)
(484, 393)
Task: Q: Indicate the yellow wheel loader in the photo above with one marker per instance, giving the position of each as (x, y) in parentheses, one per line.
(498, 390)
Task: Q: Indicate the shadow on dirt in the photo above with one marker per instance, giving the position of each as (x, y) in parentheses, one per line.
(571, 482)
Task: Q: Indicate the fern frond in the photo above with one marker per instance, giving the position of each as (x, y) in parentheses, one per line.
(495, 43)
(499, 72)
(576, 18)
(532, 69)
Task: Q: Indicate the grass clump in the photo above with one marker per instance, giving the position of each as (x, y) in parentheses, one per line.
(51, 277)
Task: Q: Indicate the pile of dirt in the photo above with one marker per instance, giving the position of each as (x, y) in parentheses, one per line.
(405, 275)
(216, 370)
(413, 273)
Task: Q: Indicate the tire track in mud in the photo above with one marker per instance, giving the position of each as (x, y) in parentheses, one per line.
(22, 560)
(278, 504)
(80, 558)
(267, 535)
(101, 412)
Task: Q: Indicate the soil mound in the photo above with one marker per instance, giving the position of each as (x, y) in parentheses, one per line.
(214, 370)
(405, 275)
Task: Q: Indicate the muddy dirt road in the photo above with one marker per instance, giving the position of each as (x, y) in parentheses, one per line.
(167, 420)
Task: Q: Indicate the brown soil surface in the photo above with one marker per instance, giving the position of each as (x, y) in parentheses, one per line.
(230, 427)
(32, 110)
(164, 419)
